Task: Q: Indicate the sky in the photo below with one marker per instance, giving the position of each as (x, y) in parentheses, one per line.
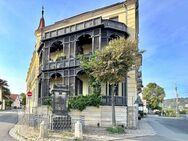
(163, 34)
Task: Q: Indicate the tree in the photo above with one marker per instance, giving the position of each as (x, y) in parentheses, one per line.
(85, 64)
(154, 95)
(23, 98)
(4, 87)
(112, 63)
(3, 83)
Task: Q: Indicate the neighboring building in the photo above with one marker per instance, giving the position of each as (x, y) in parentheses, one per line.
(1, 98)
(16, 103)
(54, 62)
(171, 103)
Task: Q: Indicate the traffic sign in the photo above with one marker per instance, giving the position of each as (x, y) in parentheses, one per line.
(29, 93)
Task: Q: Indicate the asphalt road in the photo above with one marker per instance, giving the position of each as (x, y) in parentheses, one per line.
(7, 121)
(167, 129)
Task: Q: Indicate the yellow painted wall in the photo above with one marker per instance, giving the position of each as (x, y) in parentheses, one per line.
(87, 48)
(55, 55)
(32, 74)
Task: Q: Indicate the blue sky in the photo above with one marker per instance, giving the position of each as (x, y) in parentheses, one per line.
(163, 34)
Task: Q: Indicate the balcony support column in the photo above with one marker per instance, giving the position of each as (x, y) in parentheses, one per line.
(48, 59)
(124, 87)
(93, 43)
(100, 35)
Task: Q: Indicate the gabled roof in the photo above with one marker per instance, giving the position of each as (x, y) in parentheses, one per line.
(13, 97)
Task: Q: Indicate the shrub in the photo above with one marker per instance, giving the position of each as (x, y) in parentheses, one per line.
(81, 102)
(183, 112)
(48, 101)
(8, 103)
(116, 130)
(170, 113)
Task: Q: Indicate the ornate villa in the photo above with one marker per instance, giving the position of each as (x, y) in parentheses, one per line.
(55, 65)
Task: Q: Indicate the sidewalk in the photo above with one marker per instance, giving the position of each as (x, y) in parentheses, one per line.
(144, 129)
(95, 134)
(99, 134)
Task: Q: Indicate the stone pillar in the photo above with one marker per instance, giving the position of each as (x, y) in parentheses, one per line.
(1, 97)
(3, 105)
(78, 130)
(132, 117)
(43, 131)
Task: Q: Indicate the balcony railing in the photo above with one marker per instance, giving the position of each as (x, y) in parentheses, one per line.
(119, 100)
(115, 25)
(61, 64)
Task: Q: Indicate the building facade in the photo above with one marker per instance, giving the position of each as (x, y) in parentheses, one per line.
(55, 65)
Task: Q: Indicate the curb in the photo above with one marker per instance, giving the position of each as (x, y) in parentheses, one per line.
(15, 135)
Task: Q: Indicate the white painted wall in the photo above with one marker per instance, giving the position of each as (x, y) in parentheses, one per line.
(102, 115)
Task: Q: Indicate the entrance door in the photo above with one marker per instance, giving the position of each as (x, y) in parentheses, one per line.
(79, 86)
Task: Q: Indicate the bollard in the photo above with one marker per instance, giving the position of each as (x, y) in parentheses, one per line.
(3, 104)
(43, 131)
(78, 130)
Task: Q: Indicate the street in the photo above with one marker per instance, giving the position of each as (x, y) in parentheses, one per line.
(167, 129)
(7, 121)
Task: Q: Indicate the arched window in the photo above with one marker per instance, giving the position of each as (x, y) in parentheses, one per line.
(84, 45)
(56, 76)
(56, 51)
(56, 46)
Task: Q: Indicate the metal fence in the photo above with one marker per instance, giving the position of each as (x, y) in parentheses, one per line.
(53, 122)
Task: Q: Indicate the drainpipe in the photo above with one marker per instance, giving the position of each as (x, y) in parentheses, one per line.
(125, 5)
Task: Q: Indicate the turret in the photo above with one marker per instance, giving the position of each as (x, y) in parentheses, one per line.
(42, 21)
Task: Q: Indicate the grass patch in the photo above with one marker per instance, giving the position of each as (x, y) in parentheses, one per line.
(116, 130)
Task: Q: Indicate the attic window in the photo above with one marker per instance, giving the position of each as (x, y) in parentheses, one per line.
(116, 18)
